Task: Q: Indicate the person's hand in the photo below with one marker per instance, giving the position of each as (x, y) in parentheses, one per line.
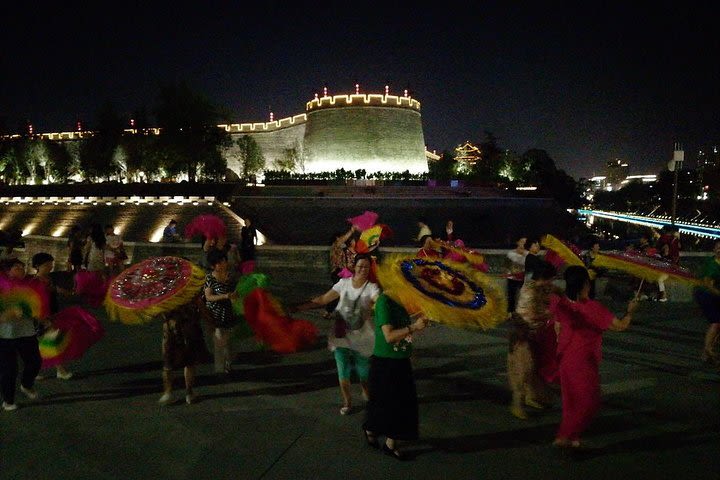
(420, 323)
(11, 313)
(632, 305)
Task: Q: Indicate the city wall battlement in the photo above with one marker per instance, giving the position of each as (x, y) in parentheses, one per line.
(362, 100)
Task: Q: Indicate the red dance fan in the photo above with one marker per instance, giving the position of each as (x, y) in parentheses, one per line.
(265, 316)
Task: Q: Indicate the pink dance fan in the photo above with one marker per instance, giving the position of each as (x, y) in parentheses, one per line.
(74, 331)
(364, 221)
(208, 225)
(91, 287)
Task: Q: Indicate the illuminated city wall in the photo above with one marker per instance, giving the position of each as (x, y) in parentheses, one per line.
(370, 132)
(374, 132)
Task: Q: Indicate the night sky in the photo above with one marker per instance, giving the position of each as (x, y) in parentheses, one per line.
(587, 82)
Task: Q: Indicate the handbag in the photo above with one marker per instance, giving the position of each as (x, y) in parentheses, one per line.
(355, 320)
(340, 326)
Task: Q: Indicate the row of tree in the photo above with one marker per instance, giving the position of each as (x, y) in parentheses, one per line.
(498, 166)
(190, 145)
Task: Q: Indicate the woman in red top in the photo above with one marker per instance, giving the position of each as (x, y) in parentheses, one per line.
(582, 322)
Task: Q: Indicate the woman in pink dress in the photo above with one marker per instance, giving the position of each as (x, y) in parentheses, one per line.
(582, 322)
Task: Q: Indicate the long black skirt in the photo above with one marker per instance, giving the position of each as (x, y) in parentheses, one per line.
(392, 410)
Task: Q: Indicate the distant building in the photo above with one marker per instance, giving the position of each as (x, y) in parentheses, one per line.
(615, 172)
(467, 155)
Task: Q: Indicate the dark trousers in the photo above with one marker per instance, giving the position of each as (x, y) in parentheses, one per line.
(513, 289)
(27, 348)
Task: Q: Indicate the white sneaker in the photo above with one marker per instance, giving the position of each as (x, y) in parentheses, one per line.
(166, 399)
(9, 407)
(30, 393)
(64, 376)
(190, 398)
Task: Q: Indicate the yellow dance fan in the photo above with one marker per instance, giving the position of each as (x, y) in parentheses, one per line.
(562, 250)
(564, 253)
(154, 286)
(643, 266)
(451, 293)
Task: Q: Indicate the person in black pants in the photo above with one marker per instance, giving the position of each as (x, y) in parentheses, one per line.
(17, 338)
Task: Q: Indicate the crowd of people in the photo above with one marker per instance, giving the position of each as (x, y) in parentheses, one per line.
(555, 335)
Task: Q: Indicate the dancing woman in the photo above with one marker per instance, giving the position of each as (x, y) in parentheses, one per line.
(351, 347)
(17, 339)
(393, 409)
(533, 345)
(218, 294)
(708, 297)
(582, 322)
(43, 263)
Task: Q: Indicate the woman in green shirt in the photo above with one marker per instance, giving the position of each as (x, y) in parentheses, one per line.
(392, 410)
(708, 297)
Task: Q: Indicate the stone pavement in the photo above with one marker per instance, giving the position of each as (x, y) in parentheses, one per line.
(277, 416)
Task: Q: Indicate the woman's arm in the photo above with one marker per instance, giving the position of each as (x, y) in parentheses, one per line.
(317, 302)
(620, 324)
(211, 297)
(394, 335)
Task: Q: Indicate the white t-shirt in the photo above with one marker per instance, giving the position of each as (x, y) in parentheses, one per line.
(362, 339)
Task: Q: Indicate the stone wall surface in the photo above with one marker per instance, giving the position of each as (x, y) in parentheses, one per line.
(272, 143)
(369, 138)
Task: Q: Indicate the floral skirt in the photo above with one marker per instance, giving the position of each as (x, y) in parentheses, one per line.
(183, 344)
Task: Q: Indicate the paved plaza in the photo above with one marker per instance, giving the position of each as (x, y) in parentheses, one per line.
(277, 417)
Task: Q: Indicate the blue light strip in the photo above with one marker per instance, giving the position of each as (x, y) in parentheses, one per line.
(697, 230)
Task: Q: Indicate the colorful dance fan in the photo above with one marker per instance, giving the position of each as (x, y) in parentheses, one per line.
(639, 265)
(74, 331)
(457, 252)
(369, 239)
(208, 225)
(451, 293)
(28, 295)
(151, 287)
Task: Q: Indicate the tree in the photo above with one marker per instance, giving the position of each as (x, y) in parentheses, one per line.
(488, 166)
(251, 157)
(444, 168)
(98, 153)
(188, 123)
(59, 166)
(288, 160)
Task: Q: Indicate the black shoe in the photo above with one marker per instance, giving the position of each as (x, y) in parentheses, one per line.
(393, 452)
(371, 440)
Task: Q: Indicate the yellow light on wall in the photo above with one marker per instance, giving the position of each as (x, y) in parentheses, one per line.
(58, 232)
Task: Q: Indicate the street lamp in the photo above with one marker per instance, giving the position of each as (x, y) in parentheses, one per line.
(675, 165)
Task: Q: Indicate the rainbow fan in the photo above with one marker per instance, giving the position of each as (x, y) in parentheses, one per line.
(74, 331)
(28, 295)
